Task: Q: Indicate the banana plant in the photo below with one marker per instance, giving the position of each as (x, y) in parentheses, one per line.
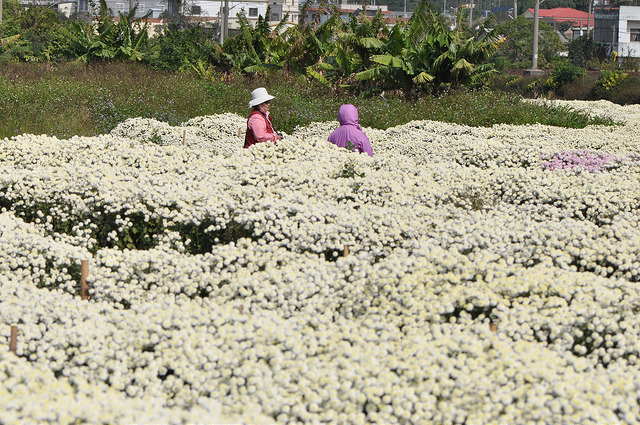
(87, 45)
(427, 55)
(256, 48)
(309, 41)
(350, 51)
(107, 39)
(405, 65)
(131, 35)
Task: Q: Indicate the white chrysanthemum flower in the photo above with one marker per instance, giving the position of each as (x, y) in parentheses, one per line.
(447, 279)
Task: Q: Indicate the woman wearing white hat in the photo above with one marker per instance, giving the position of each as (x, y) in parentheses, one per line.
(259, 127)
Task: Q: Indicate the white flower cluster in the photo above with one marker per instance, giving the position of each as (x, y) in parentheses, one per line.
(26, 250)
(479, 287)
(32, 392)
(219, 134)
(629, 114)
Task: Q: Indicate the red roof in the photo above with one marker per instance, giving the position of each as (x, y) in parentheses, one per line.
(564, 14)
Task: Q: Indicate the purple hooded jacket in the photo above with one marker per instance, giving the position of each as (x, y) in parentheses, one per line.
(349, 130)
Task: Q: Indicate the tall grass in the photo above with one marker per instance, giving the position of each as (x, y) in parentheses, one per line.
(84, 100)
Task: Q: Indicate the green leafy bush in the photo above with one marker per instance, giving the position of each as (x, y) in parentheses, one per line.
(580, 89)
(562, 74)
(35, 34)
(176, 49)
(608, 80)
(525, 86)
(620, 88)
(630, 64)
(584, 52)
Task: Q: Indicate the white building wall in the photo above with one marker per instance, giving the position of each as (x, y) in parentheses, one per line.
(629, 20)
(292, 7)
(251, 9)
(124, 6)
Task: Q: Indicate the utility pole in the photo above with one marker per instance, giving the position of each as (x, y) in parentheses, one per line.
(534, 71)
(224, 30)
(470, 13)
(536, 15)
(515, 9)
(589, 18)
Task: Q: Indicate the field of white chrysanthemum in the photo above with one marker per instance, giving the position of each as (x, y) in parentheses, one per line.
(480, 287)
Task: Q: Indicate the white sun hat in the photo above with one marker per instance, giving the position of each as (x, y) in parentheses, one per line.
(259, 96)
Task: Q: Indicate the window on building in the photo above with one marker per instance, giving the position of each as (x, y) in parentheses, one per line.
(253, 12)
(634, 34)
(275, 17)
(140, 9)
(120, 7)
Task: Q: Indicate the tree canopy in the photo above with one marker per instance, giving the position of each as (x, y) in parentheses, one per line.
(517, 44)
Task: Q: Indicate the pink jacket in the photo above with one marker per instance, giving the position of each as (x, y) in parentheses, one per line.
(350, 131)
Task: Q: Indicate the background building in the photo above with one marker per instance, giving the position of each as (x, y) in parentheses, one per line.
(576, 21)
(346, 9)
(619, 28)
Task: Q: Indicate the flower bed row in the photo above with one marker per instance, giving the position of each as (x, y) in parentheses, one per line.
(218, 291)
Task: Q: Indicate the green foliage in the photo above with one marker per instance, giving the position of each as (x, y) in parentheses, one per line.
(426, 54)
(563, 72)
(331, 63)
(91, 100)
(584, 50)
(175, 50)
(34, 34)
(349, 170)
(627, 92)
(104, 38)
(155, 139)
(608, 81)
(630, 64)
(517, 45)
(308, 42)
(566, 26)
(351, 51)
(257, 48)
(617, 86)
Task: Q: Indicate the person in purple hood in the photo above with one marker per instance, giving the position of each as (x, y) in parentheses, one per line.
(350, 132)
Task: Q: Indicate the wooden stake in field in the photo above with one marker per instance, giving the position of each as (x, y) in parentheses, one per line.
(84, 273)
(13, 342)
(346, 251)
(493, 327)
(240, 132)
(184, 136)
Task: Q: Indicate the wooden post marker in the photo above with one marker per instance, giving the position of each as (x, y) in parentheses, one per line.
(13, 342)
(346, 251)
(84, 273)
(184, 136)
(493, 327)
(240, 132)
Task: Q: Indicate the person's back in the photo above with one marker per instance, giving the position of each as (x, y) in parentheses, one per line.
(349, 132)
